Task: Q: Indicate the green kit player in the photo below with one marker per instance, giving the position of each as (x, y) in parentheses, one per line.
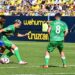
(8, 31)
(57, 30)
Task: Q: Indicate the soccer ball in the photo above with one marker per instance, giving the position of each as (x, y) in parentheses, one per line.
(5, 60)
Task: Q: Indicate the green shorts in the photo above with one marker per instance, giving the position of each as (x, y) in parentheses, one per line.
(7, 42)
(55, 44)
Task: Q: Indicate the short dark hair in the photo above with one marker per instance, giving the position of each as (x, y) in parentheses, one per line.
(18, 21)
(58, 15)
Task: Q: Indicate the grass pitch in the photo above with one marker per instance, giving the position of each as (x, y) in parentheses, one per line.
(33, 53)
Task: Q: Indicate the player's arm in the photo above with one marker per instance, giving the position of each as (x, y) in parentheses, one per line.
(5, 29)
(49, 29)
(22, 35)
(2, 30)
(66, 29)
(66, 32)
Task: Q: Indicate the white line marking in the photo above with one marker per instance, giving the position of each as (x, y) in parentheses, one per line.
(25, 74)
(48, 74)
(29, 43)
(12, 67)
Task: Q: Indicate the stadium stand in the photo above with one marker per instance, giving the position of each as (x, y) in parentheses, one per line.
(37, 7)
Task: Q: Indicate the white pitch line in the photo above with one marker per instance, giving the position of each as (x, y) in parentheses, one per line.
(48, 74)
(15, 67)
(59, 74)
(38, 43)
(25, 74)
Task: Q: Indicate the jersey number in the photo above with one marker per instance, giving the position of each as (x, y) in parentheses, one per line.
(58, 29)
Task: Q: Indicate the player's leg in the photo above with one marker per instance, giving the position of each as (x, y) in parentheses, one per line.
(8, 45)
(50, 48)
(17, 54)
(15, 50)
(62, 54)
(10, 53)
(63, 58)
(2, 48)
(47, 58)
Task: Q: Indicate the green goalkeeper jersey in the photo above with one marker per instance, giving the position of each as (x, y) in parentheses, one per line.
(58, 28)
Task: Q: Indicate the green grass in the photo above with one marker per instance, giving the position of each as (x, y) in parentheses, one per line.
(33, 53)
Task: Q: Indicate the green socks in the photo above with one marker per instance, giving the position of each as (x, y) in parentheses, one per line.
(63, 60)
(46, 60)
(16, 52)
(9, 54)
(1, 54)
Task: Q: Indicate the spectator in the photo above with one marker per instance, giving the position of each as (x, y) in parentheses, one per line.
(37, 7)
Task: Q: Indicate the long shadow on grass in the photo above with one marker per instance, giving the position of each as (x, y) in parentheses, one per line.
(51, 66)
(13, 62)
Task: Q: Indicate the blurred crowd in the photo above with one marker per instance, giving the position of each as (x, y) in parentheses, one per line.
(37, 7)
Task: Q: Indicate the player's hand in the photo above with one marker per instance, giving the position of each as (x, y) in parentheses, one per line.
(26, 34)
(0, 31)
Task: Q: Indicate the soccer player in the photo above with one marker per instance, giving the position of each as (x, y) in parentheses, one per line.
(2, 46)
(57, 31)
(8, 31)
